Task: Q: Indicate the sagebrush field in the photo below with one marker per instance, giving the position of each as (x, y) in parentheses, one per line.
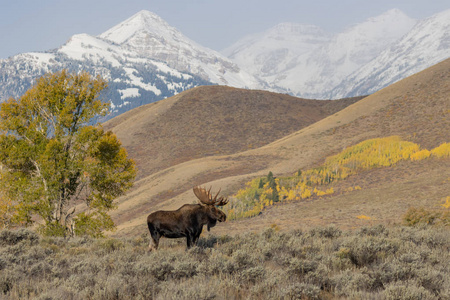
(322, 263)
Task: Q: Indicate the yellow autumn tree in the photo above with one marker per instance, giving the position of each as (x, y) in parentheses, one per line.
(54, 156)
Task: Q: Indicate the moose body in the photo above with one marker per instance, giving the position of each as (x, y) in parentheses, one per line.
(187, 221)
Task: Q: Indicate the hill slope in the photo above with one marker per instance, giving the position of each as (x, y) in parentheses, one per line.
(213, 120)
(416, 108)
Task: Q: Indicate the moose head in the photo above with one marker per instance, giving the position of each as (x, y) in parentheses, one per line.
(211, 205)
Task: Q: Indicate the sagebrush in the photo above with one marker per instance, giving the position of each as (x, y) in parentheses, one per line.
(323, 263)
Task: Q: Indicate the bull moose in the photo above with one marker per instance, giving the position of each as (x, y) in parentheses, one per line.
(188, 220)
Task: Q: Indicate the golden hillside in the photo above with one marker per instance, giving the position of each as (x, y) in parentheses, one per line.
(417, 109)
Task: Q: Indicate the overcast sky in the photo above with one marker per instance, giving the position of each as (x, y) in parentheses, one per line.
(40, 25)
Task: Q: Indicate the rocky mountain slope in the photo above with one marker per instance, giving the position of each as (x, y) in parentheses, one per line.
(270, 53)
(425, 45)
(149, 36)
(143, 58)
(307, 62)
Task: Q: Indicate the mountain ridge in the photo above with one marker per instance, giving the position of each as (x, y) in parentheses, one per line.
(327, 59)
(427, 43)
(144, 59)
(136, 74)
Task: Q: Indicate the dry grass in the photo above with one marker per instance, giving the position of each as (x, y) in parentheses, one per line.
(322, 263)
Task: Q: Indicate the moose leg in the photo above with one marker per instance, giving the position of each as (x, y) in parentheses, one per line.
(188, 241)
(195, 238)
(155, 236)
(197, 235)
(154, 242)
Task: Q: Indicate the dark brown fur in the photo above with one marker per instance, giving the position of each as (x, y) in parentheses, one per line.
(187, 221)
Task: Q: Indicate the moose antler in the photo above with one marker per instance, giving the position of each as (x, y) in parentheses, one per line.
(205, 197)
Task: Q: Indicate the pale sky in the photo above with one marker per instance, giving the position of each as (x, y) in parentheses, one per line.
(40, 25)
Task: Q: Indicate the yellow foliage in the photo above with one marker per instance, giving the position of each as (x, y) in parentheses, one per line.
(7, 210)
(320, 193)
(291, 195)
(373, 153)
(447, 202)
(442, 151)
(363, 217)
(306, 193)
(420, 155)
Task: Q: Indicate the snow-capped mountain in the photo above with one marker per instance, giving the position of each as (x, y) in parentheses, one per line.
(324, 61)
(150, 36)
(276, 50)
(144, 60)
(132, 80)
(425, 45)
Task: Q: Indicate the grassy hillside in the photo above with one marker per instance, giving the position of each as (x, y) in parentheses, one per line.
(211, 121)
(417, 109)
(322, 181)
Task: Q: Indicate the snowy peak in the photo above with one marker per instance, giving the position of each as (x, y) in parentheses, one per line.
(275, 50)
(143, 58)
(391, 16)
(361, 42)
(143, 21)
(297, 32)
(308, 62)
(423, 46)
(85, 46)
(297, 38)
(149, 36)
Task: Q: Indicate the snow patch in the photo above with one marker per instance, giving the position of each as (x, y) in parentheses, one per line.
(137, 81)
(129, 93)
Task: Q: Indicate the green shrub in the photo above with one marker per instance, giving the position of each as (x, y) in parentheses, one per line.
(367, 250)
(408, 290)
(421, 216)
(348, 282)
(301, 266)
(161, 270)
(217, 263)
(326, 232)
(303, 291)
(371, 263)
(377, 230)
(13, 237)
(110, 245)
(253, 274)
(184, 269)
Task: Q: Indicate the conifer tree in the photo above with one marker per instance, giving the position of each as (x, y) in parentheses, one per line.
(273, 185)
(55, 163)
